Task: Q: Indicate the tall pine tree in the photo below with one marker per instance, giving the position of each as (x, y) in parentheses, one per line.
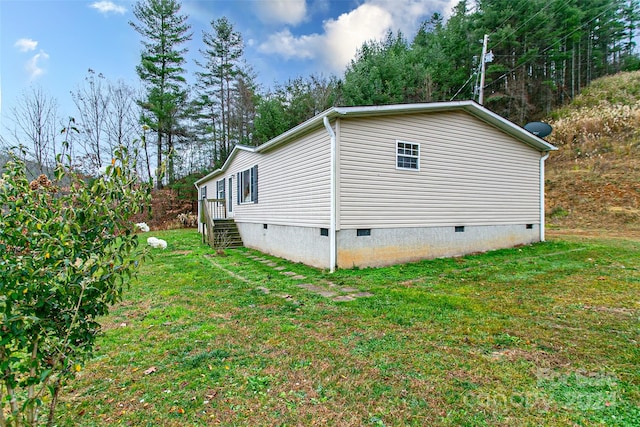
(220, 69)
(163, 32)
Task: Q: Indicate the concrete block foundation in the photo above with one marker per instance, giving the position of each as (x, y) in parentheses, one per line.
(298, 244)
(380, 247)
(401, 245)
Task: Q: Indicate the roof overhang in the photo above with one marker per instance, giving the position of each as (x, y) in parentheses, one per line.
(470, 107)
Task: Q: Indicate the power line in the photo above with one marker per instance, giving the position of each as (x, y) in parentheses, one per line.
(475, 73)
(523, 5)
(523, 24)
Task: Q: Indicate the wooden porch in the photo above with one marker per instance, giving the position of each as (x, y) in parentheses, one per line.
(218, 231)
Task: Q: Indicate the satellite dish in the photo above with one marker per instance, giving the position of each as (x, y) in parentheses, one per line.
(538, 129)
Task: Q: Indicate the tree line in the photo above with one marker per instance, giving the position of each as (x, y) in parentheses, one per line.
(540, 54)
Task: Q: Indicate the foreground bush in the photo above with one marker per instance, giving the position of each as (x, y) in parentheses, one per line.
(65, 255)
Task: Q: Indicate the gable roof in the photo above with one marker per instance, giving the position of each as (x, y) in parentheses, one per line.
(470, 107)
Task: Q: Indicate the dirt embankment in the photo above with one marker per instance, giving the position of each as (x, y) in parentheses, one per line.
(593, 180)
(166, 207)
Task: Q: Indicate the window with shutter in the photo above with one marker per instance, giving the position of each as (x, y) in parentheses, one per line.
(220, 189)
(248, 185)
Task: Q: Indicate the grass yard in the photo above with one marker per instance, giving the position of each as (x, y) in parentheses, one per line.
(547, 334)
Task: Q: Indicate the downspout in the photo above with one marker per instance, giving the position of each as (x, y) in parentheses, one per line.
(542, 159)
(332, 209)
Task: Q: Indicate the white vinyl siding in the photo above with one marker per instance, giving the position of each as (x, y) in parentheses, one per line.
(293, 182)
(470, 173)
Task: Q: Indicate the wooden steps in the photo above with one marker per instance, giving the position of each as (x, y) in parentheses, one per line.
(225, 234)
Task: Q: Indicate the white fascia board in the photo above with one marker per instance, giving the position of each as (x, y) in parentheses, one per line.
(304, 127)
(509, 127)
(471, 107)
(224, 167)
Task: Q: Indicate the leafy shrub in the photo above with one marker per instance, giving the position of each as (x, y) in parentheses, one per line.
(66, 254)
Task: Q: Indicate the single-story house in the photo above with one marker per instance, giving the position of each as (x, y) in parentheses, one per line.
(379, 185)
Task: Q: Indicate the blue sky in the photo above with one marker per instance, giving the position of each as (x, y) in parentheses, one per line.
(51, 44)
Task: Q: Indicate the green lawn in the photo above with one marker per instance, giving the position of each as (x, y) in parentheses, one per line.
(547, 334)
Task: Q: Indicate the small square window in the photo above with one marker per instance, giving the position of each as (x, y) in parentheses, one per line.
(363, 232)
(407, 155)
(265, 226)
(529, 226)
(324, 231)
(459, 228)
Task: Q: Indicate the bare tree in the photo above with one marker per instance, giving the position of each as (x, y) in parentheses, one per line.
(109, 117)
(92, 102)
(122, 121)
(243, 105)
(123, 126)
(35, 126)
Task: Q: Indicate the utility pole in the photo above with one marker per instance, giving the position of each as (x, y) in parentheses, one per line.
(482, 69)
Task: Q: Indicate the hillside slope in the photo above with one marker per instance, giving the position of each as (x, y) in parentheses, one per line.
(593, 181)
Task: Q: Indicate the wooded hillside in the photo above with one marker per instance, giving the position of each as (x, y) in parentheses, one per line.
(540, 54)
(593, 181)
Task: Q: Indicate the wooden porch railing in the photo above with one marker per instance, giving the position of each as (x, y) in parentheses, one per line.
(217, 208)
(211, 209)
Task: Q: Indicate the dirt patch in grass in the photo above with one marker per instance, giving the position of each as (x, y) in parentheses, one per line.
(612, 310)
(182, 252)
(593, 233)
(539, 358)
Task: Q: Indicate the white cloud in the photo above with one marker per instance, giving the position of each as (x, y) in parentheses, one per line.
(34, 65)
(291, 12)
(198, 11)
(346, 34)
(408, 14)
(319, 6)
(108, 7)
(26, 45)
(343, 36)
(287, 45)
(340, 41)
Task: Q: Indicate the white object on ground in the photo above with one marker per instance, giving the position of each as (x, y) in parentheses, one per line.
(157, 243)
(142, 226)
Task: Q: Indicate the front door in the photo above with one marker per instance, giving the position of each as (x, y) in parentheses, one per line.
(218, 206)
(230, 198)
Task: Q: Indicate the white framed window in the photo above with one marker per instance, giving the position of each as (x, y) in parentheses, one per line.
(220, 189)
(407, 155)
(248, 185)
